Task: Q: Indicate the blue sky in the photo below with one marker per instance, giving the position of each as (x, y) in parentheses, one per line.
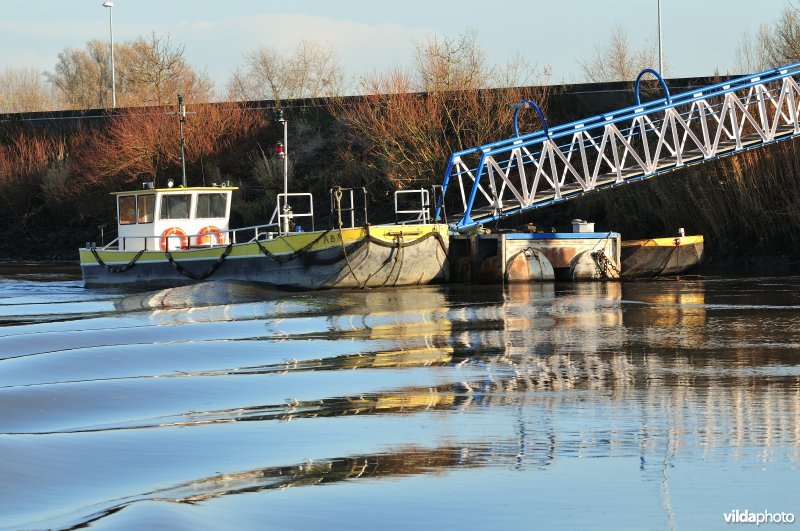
(700, 35)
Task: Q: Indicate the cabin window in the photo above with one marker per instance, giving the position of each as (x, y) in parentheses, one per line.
(127, 210)
(147, 208)
(175, 206)
(211, 205)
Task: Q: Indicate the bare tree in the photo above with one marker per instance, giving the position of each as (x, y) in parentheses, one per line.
(153, 71)
(137, 144)
(617, 60)
(148, 71)
(263, 77)
(773, 45)
(312, 70)
(447, 63)
(83, 77)
(24, 90)
(405, 135)
(748, 56)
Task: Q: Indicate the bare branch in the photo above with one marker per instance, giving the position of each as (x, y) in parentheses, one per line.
(617, 61)
(311, 71)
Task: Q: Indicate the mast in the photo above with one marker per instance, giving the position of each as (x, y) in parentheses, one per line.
(182, 116)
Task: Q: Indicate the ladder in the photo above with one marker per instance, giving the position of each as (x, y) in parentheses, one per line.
(555, 164)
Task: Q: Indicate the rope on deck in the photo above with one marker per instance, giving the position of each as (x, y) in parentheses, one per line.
(338, 196)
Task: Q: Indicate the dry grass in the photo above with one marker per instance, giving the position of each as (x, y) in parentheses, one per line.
(745, 203)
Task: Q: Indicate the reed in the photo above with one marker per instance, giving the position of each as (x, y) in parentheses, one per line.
(747, 203)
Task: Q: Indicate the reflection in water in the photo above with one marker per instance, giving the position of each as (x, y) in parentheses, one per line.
(666, 377)
(407, 461)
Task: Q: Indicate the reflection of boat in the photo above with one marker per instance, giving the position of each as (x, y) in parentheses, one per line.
(660, 256)
(391, 463)
(196, 296)
(179, 235)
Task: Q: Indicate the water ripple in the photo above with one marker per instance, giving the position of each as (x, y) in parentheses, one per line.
(231, 403)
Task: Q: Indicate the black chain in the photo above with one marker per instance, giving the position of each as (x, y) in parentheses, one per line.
(294, 253)
(603, 264)
(115, 269)
(188, 274)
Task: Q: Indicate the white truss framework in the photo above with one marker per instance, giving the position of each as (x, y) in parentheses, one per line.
(544, 167)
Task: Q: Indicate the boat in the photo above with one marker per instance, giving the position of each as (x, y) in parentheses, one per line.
(180, 235)
(660, 256)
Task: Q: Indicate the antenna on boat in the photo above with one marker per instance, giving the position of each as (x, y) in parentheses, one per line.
(182, 115)
(182, 118)
(282, 151)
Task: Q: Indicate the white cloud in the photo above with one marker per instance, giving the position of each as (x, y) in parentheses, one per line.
(221, 45)
(17, 59)
(50, 29)
(197, 25)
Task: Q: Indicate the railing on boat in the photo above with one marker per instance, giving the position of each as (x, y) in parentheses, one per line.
(284, 214)
(240, 235)
(344, 206)
(415, 206)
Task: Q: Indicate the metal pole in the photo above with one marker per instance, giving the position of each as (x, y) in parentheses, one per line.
(110, 6)
(286, 207)
(285, 158)
(182, 115)
(660, 46)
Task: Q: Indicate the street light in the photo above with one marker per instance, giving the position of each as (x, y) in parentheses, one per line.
(660, 51)
(110, 6)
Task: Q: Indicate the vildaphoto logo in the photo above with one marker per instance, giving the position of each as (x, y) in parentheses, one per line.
(764, 517)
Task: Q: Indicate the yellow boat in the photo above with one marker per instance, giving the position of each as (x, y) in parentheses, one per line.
(172, 236)
(660, 256)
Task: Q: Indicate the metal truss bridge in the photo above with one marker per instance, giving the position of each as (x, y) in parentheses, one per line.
(556, 164)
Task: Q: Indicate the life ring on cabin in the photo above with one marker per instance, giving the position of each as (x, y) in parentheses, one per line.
(210, 235)
(167, 241)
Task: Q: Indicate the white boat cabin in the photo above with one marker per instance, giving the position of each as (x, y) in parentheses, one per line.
(173, 218)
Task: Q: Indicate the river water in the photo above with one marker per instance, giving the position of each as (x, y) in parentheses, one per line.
(641, 405)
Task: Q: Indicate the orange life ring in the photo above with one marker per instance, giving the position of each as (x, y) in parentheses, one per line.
(174, 231)
(210, 233)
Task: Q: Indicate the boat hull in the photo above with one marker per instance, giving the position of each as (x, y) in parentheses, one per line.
(349, 258)
(660, 256)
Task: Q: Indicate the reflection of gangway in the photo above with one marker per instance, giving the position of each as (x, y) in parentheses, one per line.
(559, 163)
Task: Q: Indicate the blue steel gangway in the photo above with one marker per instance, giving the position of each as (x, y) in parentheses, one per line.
(555, 164)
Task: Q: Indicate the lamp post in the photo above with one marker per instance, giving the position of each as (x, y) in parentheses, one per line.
(660, 50)
(110, 6)
(283, 151)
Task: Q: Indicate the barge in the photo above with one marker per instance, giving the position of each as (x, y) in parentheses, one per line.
(173, 236)
(661, 256)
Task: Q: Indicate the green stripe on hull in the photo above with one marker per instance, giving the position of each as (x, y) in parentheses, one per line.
(390, 256)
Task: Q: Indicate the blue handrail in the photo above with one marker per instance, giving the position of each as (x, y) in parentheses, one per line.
(631, 111)
(569, 129)
(660, 79)
(529, 103)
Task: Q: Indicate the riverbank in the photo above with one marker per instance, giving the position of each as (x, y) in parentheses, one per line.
(747, 206)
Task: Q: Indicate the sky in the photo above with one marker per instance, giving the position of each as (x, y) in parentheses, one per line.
(700, 36)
